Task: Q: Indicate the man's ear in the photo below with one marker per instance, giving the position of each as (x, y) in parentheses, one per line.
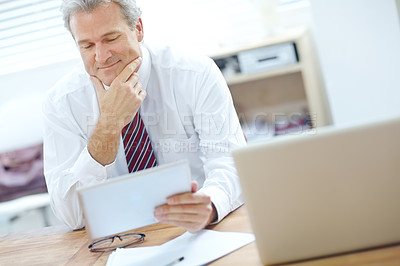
(139, 30)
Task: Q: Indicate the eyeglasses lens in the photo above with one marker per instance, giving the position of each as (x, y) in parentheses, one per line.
(117, 241)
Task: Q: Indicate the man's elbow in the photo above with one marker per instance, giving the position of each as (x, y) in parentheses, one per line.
(70, 214)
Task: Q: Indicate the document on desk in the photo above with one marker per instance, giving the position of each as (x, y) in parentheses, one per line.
(127, 202)
(188, 249)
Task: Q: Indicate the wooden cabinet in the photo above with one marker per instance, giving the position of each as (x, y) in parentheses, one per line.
(279, 95)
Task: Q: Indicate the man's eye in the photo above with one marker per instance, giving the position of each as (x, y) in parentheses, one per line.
(112, 39)
(88, 46)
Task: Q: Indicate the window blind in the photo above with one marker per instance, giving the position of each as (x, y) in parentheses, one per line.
(32, 33)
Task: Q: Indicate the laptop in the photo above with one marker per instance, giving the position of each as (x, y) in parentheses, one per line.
(324, 193)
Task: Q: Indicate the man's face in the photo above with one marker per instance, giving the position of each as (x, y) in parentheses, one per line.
(105, 40)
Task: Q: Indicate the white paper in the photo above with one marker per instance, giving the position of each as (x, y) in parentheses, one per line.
(197, 249)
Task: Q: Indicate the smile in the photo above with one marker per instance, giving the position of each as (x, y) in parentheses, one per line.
(109, 66)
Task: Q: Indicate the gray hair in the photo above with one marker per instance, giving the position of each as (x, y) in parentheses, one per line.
(129, 9)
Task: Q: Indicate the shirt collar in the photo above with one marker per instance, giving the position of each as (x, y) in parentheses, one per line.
(145, 67)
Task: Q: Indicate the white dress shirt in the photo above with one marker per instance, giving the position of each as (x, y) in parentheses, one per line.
(188, 113)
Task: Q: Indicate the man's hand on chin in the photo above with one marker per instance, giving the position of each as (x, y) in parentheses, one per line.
(122, 100)
(192, 210)
(118, 105)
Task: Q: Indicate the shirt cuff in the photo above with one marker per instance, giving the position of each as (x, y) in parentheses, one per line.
(89, 171)
(220, 201)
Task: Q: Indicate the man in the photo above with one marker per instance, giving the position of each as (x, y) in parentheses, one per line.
(180, 103)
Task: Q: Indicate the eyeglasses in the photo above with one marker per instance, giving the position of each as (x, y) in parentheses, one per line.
(108, 244)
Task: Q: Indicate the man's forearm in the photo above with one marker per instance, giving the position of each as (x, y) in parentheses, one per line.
(104, 142)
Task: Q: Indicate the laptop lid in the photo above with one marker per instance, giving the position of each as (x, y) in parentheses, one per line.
(333, 191)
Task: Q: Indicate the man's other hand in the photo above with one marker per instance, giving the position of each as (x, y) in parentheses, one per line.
(192, 210)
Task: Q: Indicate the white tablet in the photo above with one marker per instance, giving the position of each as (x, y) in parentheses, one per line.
(127, 202)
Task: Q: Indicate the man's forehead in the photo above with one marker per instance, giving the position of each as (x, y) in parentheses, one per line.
(101, 21)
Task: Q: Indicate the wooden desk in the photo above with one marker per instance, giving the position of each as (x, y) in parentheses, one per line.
(61, 246)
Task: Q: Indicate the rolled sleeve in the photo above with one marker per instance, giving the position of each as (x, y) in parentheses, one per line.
(67, 163)
(88, 171)
(219, 131)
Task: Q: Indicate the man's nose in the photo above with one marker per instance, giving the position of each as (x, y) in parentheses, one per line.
(102, 53)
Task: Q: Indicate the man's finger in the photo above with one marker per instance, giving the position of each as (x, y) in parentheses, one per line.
(142, 94)
(133, 80)
(192, 227)
(127, 72)
(183, 208)
(195, 186)
(182, 217)
(100, 90)
(188, 198)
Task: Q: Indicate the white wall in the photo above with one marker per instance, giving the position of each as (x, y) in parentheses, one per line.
(358, 43)
(32, 82)
(20, 104)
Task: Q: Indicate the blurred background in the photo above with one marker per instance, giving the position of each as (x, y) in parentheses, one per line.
(292, 66)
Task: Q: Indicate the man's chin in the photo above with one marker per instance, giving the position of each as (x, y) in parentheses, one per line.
(106, 76)
(106, 81)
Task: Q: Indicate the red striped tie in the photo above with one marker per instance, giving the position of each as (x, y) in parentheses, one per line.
(138, 150)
